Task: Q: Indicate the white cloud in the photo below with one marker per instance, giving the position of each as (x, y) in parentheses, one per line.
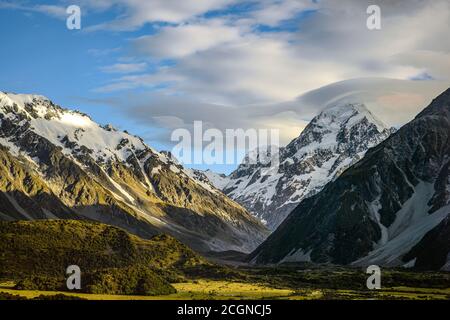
(272, 12)
(393, 101)
(225, 61)
(137, 13)
(182, 40)
(432, 63)
(132, 14)
(54, 11)
(103, 52)
(231, 75)
(124, 68)
(250, 70)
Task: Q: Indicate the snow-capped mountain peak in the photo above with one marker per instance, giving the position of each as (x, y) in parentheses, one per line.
(20, 99)
(349, 114)
(70, 129)
(336, 138)
(325, 130)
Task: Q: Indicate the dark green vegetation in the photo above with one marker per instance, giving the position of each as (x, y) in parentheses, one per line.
(338, 277)
(57, 297)
(129, 281)
(45, 283)
(8, 296)
(36, 254)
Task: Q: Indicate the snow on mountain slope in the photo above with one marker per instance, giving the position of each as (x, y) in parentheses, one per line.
(411, 224)
(60, 126)
(216, 179)
(333, 141)
(104, 174)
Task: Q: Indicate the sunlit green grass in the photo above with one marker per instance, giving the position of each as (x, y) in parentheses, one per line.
(188, 290)
(223, 290)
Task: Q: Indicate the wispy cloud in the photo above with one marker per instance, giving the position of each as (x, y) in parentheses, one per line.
(186, 39)
(124, 68)
(56, 11)
(103, 52)
(135, 14)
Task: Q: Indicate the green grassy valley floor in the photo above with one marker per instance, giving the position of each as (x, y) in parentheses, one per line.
(222, 290)
(323, 285)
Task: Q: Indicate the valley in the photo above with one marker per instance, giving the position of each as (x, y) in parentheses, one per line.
(114, 265)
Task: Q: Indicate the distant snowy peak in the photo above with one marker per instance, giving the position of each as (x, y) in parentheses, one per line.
(218, 180)
(331, 126)
(200, 177)
(332, 141)
(349, 114)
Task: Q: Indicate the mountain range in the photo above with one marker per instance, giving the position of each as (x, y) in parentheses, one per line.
(349, 190)
(59, 164)
(391, 208)
(334, 140)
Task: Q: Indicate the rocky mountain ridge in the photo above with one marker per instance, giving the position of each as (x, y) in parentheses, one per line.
(58, 163)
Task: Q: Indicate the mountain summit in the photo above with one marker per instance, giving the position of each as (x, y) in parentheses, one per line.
(58, 163)
(332, 141)
(391, 208)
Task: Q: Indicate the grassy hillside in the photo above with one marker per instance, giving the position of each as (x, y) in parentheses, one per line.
(36, 254)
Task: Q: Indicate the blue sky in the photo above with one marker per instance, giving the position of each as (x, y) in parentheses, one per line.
(154, 66)
(42, 56)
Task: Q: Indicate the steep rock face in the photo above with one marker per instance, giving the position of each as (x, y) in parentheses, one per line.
(332, 141)
(113, 177)
(379, 210)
